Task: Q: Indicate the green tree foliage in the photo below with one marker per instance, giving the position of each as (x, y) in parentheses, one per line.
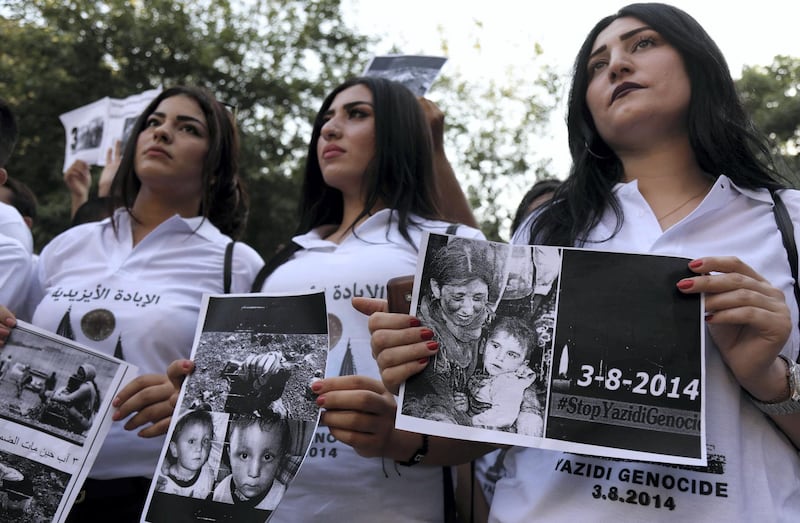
(495, 126)
(771, 94)
(273, 60)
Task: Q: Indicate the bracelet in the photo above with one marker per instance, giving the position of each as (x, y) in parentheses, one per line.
(780, 406)
(418, 455)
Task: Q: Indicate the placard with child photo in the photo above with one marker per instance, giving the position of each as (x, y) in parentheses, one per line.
(518, 363)
(245, 417)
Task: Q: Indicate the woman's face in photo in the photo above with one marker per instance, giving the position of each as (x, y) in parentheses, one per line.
(347, 139)
(462, 303)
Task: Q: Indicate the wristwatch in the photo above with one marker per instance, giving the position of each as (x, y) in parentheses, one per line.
(788, 406)
(419, 454)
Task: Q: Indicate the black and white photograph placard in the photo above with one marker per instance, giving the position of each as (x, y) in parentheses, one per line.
(246, 416)
(567, 349)
(416, 72)
(55, 407)
(94, 128)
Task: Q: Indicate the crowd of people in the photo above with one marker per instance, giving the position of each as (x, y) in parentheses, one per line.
(664, 161)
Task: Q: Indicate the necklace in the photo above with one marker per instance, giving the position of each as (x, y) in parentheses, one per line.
(684, 204)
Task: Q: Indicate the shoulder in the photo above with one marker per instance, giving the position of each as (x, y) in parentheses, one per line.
(75, 237)
(246, 257)
(791, 197)
(443, 227)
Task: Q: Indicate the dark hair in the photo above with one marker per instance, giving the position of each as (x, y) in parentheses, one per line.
(193, 416)
(268, 420)
(93, 210)
(539, 189)
(401, 173)
(22, 198)
(722, 136)
(517, 328)
(224, 201)
(461, 261)
(8, 132)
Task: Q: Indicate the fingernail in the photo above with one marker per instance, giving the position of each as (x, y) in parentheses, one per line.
(426, 334)
(116, 402)
(709, 317)
(694, 264)
(414, 322)
(316, 386)
(423, 361)
(320, 401)
(432, 345)
(187, 365)
(10, 322)
(685, 284)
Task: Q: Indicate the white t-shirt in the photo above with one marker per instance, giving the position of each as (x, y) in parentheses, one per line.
(335, 483)
(753, 471)
(201, 486)
(15, 269)
(223, 493)
(144, 299)
(12, 225)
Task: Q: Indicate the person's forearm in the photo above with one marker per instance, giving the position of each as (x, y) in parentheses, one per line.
(450, 197)
(76, 200)
(441, 451)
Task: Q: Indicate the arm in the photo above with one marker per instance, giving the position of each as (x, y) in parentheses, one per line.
(401, 352)
(113, 158)
(360, 412)
(15, 273)
(450, 197)
(153, 398)
(62, 396)
(750, 323)
(78, 179)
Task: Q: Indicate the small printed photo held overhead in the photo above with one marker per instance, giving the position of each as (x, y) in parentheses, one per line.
(416, 72)
(94, 128)
(55, 406)
(555, 348)
(245, 417)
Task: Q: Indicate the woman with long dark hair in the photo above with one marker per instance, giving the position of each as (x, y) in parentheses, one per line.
(665, 161)
(180, 202)
(368, 195)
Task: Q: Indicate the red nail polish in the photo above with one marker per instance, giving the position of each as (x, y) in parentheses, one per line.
(426, 334)
(694, 264)
(709, 317)
(316, 386)
(187, 365)
(685, 284)
(321, 401)
(423, 361)
(414, 322)
(432, 345)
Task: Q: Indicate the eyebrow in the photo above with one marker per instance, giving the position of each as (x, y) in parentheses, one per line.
(622, 38)
(182, 118)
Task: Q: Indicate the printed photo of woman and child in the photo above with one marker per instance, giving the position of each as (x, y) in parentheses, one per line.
(491, 307)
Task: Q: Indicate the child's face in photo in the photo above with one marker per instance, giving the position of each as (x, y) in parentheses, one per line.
(504, 353)
(255, 455)
(192, 446)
